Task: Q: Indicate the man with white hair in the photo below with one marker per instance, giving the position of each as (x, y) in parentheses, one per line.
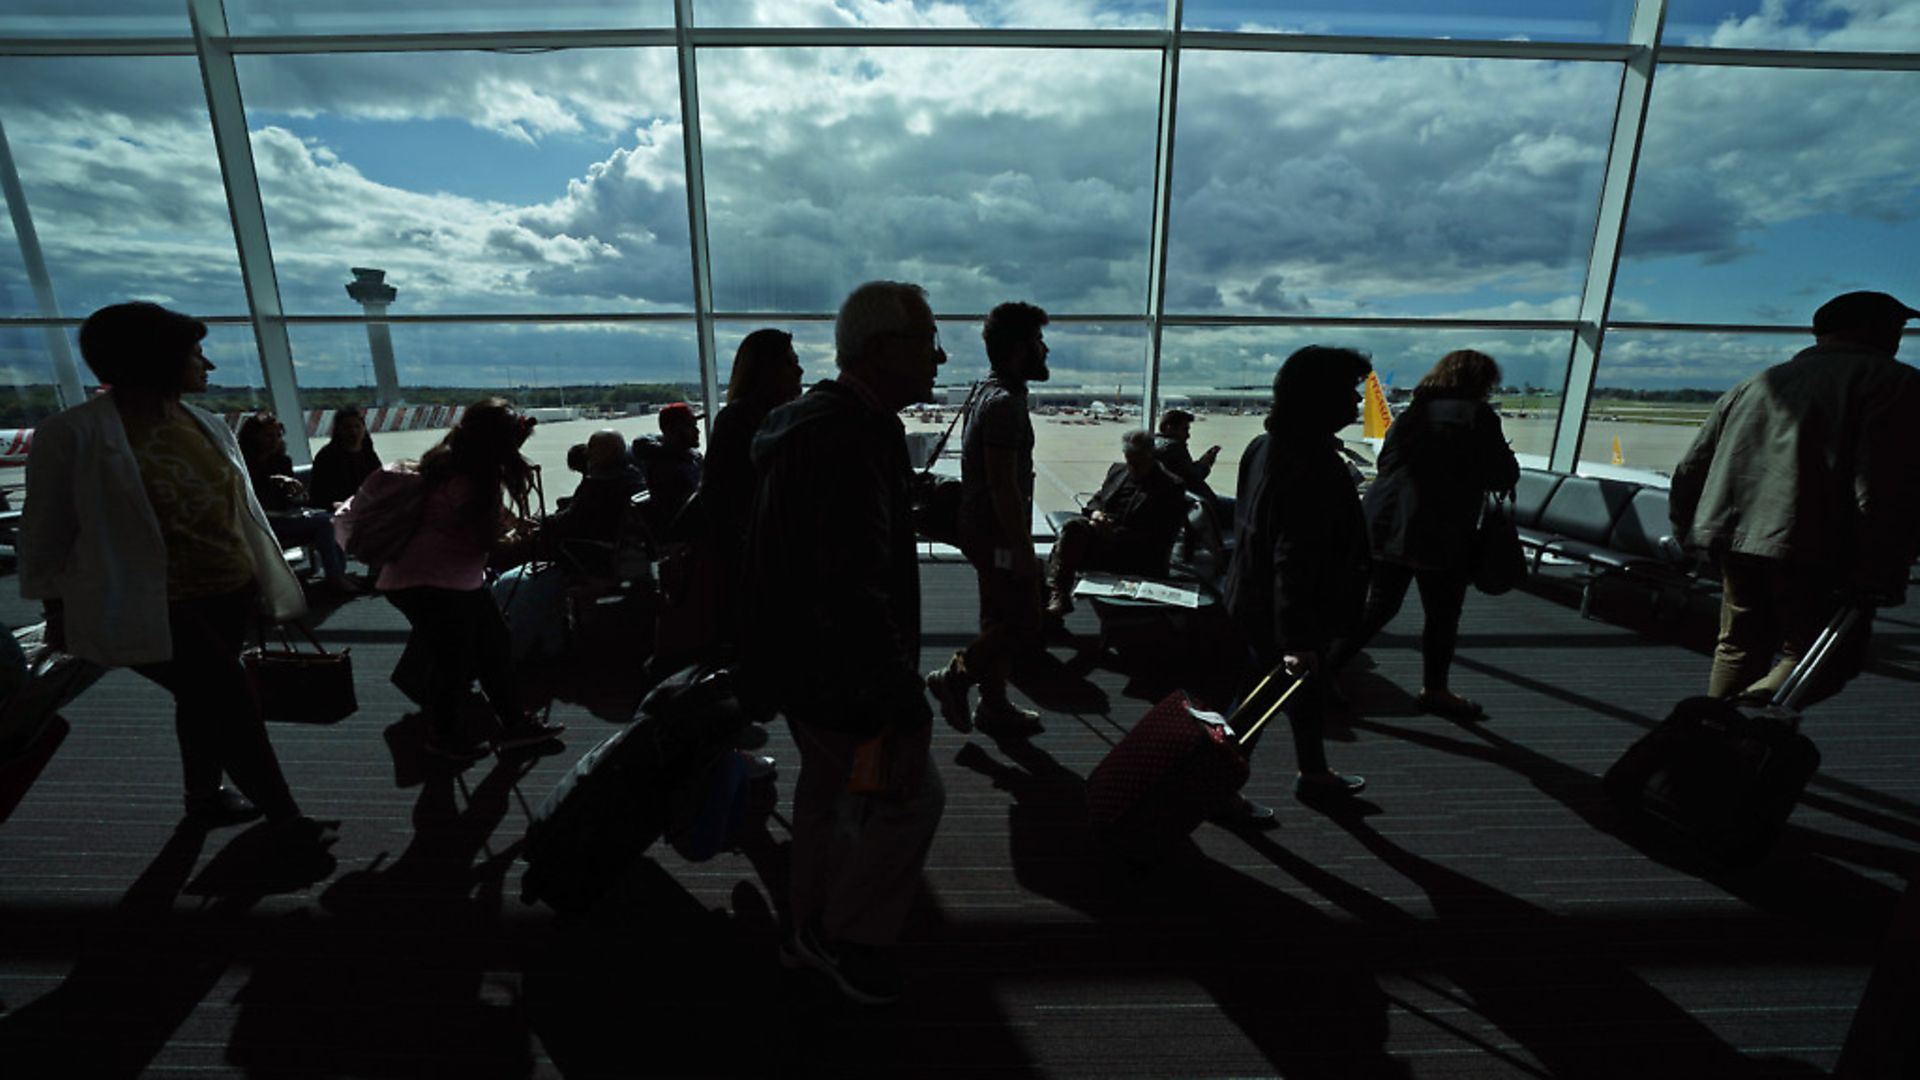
(830, 637)
(1128, 528)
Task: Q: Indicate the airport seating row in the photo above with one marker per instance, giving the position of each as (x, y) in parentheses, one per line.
(1611, 528)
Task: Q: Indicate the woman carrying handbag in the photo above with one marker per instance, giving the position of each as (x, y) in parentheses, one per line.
(1440, 460)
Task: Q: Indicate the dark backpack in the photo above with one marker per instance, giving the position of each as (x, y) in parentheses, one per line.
(377, 523)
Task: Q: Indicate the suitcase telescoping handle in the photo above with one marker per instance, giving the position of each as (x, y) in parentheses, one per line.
(1271, 709)
(1795, 686)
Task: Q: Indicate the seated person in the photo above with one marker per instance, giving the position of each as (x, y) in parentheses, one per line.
(263, 446)
(1171, 451)
(346, 460)
(671, 462)
(598, 507)
(1128, 528)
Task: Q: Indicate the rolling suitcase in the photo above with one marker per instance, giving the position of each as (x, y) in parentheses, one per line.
(1725, 775)
(1175, 767)
(620, 796)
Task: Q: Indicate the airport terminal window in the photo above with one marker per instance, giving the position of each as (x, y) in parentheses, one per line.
(1224, 375)
(440, 16)
(1767, 24)
(96, 18)
(582, 375)
(116, 160)
(480, 182)
(16, 291)
(983, 174)
(1763, 191)
(997, 14)
(1654, 389)
(1568, 20)
(1409, 186)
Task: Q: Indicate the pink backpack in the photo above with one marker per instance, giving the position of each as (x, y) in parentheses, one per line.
(378, 522)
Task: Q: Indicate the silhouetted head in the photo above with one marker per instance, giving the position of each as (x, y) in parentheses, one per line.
(885, 338)
(485, 446)
(1016, 344)
(261, 436)
(1462, 372)
(1136, 448)
(1317, 390)
(1176, 424)
(605, 449)
(577, 457)
(679, 426)
(349, 429)
(765, 368)
(1870, 320)
(146, 347)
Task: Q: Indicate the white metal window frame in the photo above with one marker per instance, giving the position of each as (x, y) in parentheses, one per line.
(1641, 56)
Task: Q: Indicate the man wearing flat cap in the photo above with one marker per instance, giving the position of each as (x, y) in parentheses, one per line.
(1804, 485)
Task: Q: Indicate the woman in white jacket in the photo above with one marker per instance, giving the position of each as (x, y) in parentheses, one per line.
(144, 540)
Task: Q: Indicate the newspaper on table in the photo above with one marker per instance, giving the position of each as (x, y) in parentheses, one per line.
(1133, 588)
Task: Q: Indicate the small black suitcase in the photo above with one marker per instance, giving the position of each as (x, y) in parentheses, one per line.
(619, 797)
(1724, 775)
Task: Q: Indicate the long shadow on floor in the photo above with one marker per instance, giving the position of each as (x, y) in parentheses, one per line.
(1298, 985)
(1805, 880)
(652, 983)
(137, 982)
(1554, 986)
(397, 982)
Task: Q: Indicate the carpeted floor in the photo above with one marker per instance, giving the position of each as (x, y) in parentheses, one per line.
(1480, 916)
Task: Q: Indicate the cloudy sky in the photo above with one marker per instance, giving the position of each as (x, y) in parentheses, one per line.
(546, 183)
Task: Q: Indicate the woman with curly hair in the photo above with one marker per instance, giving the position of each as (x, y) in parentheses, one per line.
(476, 487)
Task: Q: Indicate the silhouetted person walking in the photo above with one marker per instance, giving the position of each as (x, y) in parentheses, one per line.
(831, 639)
(1440, 459)
(1804, 483)
(996, 526)
(1298, 580)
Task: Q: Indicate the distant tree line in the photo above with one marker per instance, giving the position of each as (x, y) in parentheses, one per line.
(1685, 394)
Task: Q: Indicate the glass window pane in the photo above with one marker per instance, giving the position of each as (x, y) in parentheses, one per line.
(1090, 362)
(16, 291)
(983, 174)
(580, 376)
(480, 182)
(117, 163)
(1769, 24)
(1406, 186)
(1654, 389)
(1565, 20)
(27, 393)
(1762, 191)
(94, 18)
(441, 16)
(996, 14)
(1224, 375)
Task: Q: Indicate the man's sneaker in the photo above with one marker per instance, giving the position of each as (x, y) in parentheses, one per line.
(760, 766)
(1309, 787)
(1242, 812)
(221, 806)
(530, 731)
(1006, 719)
(865, 974)
(455, 748)
(949, 689)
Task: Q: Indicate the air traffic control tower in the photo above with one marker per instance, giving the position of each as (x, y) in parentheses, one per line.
(370, 288)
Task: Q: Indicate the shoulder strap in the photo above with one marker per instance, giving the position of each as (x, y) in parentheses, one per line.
(940, 444)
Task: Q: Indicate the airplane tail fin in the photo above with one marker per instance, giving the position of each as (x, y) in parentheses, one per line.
(1375, 417)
